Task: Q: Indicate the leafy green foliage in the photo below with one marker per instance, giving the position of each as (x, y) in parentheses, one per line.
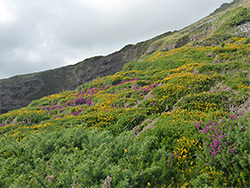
(178, 118)
(235, 17)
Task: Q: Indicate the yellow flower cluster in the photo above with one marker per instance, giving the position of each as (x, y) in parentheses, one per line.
(104, 101)
(7, 126)
(52, 97)
(17, 134)
(187, 68)
(185, 115)
(238, 39)
(184, 145)
(22, 111)
(206, 107)
(187, 77)
(42, 125)
(204, 48)
(184, 150)
(169, 53)
(14, 133)
(243, 87)
(225, 56)
(172, 76)
(116, 76)
(233, 46)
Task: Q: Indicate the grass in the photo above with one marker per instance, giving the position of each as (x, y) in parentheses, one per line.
(177, 119)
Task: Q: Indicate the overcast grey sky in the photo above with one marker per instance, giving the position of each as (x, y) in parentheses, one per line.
(37, 35)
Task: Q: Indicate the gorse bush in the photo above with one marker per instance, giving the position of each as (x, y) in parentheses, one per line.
(177, 119)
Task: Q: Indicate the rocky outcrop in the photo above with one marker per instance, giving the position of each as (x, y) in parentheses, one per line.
(243, 29)
(19, 91)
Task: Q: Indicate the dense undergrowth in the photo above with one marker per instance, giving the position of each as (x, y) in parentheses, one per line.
(179, 118)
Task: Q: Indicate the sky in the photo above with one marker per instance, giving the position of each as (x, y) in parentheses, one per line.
(37, 35)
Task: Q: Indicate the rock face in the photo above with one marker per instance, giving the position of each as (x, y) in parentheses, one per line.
(19, 91)
(244, 28)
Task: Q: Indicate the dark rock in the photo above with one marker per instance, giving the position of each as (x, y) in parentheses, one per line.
(19, 91)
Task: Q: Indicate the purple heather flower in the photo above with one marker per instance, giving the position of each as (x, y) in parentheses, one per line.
(198, 125)
(232, 150)
(217, 134)
(223, 135)
(213, 152)
(212, 145)
(204, 130)
(219, 148)
(234, 117)
(172, 155)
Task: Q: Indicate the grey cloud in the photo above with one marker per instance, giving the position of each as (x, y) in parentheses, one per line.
(52, 33)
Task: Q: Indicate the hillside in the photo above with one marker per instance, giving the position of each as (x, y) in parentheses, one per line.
(19, 91)
(178, 115)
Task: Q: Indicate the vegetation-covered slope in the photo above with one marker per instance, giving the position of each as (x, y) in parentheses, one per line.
(19, 91)
(177, 118)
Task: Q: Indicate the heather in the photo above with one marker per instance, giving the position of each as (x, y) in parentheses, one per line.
(178, 118)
